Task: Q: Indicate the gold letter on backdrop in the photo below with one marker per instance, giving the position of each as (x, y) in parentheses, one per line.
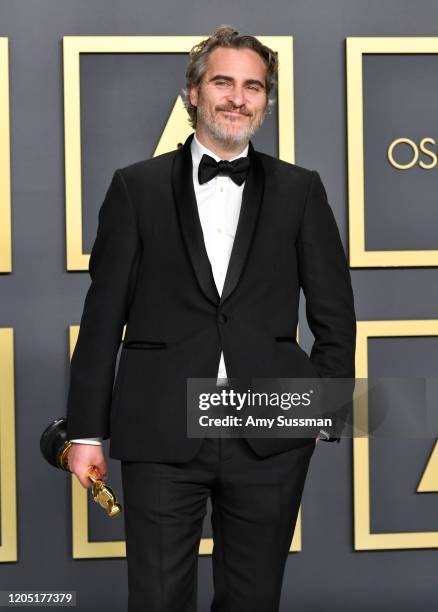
(5, 164)
(364, 539)
(359, 256)
(8, 491)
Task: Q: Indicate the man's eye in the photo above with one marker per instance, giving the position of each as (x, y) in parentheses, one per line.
(222, 82)
(254, 87)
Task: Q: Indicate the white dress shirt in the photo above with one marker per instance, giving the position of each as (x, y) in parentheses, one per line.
(219, 202)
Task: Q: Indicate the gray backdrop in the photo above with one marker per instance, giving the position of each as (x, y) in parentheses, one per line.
(122, 119)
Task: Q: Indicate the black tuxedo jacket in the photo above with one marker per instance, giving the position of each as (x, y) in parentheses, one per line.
(149, 269)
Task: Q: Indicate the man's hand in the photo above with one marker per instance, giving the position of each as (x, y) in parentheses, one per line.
(81, 457)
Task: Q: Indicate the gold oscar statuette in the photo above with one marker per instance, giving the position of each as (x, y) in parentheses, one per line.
(55, 447)
(102, 493)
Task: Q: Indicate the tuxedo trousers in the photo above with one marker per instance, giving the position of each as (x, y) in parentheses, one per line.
(255, 502)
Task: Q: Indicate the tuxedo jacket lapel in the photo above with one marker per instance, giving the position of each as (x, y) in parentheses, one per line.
(187, 210)
(252, 198)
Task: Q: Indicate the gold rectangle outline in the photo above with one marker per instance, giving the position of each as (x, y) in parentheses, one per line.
(5, 163)
(83, 548)
(73, 46)
(363, 538)
(355, 48)
(8, 472)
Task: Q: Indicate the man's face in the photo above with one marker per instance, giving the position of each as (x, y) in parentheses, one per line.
(231, 99)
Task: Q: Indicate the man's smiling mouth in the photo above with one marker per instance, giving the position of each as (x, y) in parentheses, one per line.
(234, 113)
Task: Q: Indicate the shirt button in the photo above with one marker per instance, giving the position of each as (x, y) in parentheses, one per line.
(219, 231)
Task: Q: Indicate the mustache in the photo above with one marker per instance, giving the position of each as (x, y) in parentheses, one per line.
(234, 109)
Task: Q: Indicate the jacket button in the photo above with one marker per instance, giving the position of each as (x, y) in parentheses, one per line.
(222, 318)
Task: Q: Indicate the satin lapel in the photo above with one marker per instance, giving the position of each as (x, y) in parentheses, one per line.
(252, 198)
(187, 209)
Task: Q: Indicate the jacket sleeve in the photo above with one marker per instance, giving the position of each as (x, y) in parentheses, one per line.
(326, 283)
(112, 267)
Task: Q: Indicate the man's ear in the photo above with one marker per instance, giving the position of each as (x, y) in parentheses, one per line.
(193, 95)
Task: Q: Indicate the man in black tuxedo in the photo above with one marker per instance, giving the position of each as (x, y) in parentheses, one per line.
(202, 253)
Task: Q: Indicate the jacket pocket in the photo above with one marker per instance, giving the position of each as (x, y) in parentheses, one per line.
(286, 339)
(144, 344)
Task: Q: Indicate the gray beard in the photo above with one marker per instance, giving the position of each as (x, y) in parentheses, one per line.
(222, 136)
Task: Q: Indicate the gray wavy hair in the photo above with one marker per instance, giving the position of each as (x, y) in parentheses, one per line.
(227, 36)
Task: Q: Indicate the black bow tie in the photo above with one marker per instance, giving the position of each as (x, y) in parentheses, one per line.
(236, 170)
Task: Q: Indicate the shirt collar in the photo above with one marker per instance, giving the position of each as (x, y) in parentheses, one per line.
(198, 150)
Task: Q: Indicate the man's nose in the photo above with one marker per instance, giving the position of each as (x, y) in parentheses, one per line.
(236, 96)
